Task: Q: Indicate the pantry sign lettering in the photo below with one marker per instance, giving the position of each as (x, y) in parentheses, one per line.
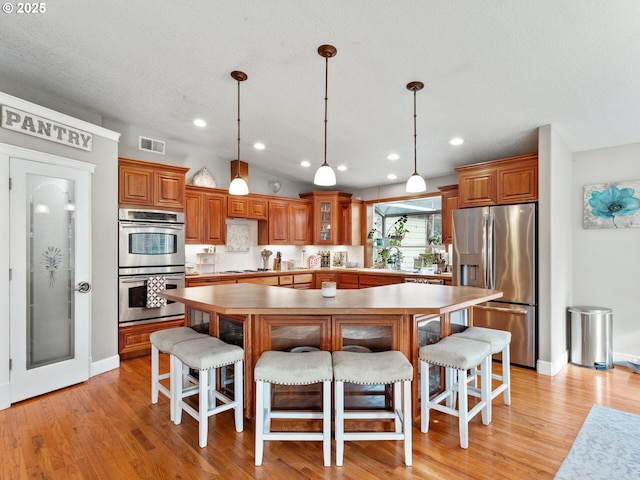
(23, 122)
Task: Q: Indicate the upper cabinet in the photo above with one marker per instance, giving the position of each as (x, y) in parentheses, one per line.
(449, 204)
(500, 182)
(205, 216)
(331, 217)
(147, 184)
(289, 223)
(247, 206)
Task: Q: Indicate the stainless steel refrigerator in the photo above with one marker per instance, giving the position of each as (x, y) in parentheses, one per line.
(495, 247)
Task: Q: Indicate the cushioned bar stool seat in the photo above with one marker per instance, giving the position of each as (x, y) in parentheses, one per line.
(457, 355)
(500, 342)
(292, 368)
(207, 355)
(376, 368)
(162, 341)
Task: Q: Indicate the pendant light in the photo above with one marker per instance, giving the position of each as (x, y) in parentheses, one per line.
(325, 175)
(415, 184)
(238, 185)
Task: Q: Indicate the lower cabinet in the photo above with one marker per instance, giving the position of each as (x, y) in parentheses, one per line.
(324, 277)
(348, 280)
(134, 341)
(379, 280)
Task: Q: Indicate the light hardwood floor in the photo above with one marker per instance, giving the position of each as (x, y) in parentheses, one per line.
(106, 428)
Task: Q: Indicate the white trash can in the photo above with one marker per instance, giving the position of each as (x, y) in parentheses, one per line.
(591, 333)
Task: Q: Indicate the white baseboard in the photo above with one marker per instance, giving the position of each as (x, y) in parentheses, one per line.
(105, 365)
(552, 368)
(625, 357)
(5, 396)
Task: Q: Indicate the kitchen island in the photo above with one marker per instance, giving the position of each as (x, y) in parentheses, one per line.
(261, 318)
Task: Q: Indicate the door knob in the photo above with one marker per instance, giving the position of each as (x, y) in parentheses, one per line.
(83, 287)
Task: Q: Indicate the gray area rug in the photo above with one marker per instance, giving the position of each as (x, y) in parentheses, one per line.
(607, 447)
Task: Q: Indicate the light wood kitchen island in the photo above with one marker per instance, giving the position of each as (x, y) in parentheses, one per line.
(261, 318)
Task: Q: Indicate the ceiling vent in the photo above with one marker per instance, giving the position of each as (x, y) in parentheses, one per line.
(151, 145)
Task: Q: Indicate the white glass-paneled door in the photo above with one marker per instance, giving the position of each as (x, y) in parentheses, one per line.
(50, 289)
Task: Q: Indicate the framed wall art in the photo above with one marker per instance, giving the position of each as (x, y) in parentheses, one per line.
(612, 205)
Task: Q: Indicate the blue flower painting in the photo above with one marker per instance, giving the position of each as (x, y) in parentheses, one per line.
(612, 205)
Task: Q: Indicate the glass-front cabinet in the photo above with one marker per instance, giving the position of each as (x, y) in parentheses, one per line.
(330, 226)
(324, 222)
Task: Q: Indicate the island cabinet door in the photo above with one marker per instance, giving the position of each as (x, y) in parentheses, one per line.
(369, 333)
(292, 333)
(232, 329)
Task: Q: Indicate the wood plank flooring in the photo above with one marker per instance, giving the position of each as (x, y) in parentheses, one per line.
(106, 428)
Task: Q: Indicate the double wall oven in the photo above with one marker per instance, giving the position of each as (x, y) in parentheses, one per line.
(151, 247)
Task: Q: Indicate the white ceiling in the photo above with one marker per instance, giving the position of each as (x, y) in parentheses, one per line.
(493, 70)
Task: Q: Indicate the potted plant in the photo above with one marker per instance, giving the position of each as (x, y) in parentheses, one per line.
(373, 237)
(397, 231)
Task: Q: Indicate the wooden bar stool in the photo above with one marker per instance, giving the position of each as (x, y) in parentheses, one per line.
(376, 368)
(500, 342)
(163, 341)
(457, 355)
(292, 368)
(207, 355)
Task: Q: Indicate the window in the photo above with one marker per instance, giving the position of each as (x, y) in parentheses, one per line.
(424, 225)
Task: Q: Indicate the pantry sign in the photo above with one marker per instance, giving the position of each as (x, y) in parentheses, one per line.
(23, 122)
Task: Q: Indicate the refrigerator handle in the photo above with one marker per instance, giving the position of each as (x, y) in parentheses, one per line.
(491, 246)
(485, 250)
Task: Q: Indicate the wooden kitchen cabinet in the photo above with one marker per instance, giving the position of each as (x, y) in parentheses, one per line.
(500, 182)
(324, 277)
(289, 223)
(449, 194)
(373, 280)
(351, 222)
(331, 217)
(303, 281)
(205, 216)
(153, 185)
(249, 206)
(518, 180)
(134, 341)
(348, 280)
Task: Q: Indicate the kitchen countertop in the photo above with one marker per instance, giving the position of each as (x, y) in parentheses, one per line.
(403, 298)
(376, 271)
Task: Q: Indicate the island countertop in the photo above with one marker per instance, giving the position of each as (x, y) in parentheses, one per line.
(403, 298)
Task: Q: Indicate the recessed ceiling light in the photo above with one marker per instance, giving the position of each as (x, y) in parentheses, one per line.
(198, 122)
(305, 163)
(258, 146)
(392, 176)
(393, 156)
(456, 141)
(342, 168)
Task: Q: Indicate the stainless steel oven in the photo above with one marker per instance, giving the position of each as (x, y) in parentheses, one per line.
(151, 244)
(150, 238)
(133, 309)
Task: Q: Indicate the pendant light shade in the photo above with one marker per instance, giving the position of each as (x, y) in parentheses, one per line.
(238, 185)
(325, 176)
(416, 183)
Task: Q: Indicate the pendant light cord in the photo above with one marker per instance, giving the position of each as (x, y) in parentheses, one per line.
(415, 137)
(238, 173)
(326, 99)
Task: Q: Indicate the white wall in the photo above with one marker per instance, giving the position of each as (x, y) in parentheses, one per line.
(606, 262)
(398, 189)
